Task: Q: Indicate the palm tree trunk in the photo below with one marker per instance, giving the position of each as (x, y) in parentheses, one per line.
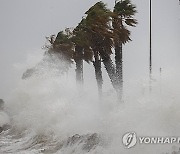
(110, 70)
(119, 68)
(98, 72)
(79, 65)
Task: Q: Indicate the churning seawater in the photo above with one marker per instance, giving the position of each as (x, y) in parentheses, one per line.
(49, 114)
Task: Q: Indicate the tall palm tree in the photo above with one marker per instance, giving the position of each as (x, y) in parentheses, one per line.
(81, 38)
(71, 46)
(62, 47)
(82, 50)
(100, 36)
(123, 16)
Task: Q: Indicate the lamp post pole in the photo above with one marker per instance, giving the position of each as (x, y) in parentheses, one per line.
(150, 45)
(150, 58)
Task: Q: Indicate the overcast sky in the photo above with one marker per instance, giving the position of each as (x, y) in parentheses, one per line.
(25, 23)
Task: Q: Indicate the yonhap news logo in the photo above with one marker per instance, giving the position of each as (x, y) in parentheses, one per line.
(130, 139)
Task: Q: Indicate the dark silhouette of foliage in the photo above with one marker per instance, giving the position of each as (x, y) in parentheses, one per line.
(123, 16)
(93, 39)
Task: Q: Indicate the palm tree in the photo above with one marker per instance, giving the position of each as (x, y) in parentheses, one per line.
(100, 37)
(81, 39)
(123, 16)
(71, 46)
(61, 47)
(95, 36)
(82, 50)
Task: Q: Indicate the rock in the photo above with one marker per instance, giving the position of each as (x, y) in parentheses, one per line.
(4, 127)
(89, 141)
(4, 118)
(1, 104)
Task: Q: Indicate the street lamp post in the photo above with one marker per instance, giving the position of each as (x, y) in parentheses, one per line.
(150, 45)
(150, 58)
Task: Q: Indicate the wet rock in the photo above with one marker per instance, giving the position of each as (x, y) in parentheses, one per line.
(4, 127)
(74, 139)
(4, 118)
(1, 104)
(89, 141)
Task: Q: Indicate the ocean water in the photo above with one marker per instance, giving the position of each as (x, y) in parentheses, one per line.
(48, 113)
